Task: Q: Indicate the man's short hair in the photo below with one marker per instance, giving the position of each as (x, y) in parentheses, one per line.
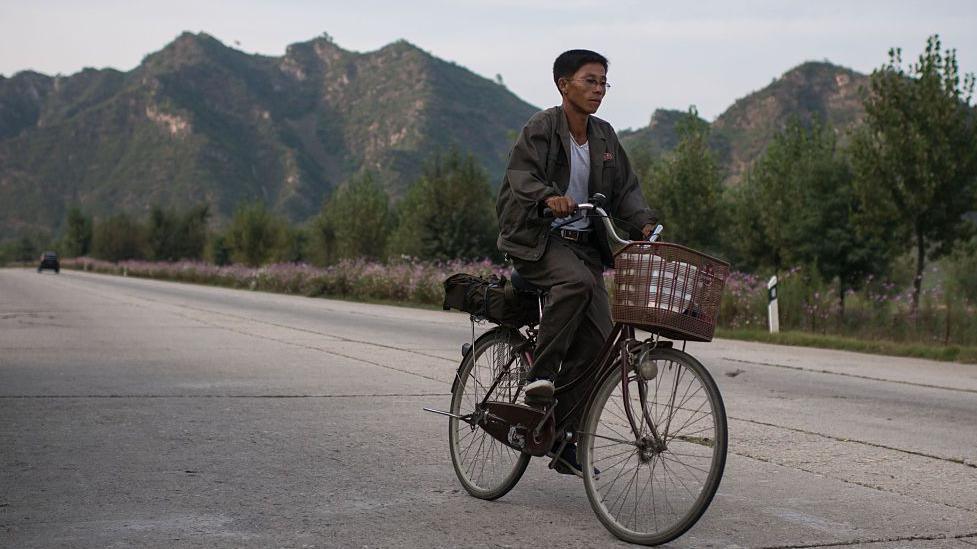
(570, 61)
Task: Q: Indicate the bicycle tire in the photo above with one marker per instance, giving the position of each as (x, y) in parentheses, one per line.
(486, 467)
(623, 496)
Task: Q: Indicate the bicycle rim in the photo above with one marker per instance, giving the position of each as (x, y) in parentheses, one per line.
(649, 493)
(486, 467)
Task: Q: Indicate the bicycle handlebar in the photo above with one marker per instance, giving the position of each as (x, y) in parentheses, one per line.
(606, 219)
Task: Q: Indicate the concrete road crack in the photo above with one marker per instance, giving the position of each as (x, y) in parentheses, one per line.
(285, 342)
(958, 461)
(845, 374)
(931, 537)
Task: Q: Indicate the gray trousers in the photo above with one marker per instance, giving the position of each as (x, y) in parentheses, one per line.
(576, 317)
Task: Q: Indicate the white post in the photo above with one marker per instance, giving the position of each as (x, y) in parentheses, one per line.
(772, 313)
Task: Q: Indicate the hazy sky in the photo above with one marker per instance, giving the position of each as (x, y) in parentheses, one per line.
(663, 54)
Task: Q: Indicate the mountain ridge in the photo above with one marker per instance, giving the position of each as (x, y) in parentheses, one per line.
(199, 121)
(813, 90)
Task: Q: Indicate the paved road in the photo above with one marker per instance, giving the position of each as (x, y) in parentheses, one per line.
(145, 413)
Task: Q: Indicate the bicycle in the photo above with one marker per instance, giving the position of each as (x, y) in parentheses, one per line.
(652, 440)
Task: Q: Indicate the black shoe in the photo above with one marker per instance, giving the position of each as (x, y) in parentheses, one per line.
(539, 392)
(566, 463)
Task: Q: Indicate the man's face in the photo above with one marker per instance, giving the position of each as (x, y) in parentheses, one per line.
(586, 88)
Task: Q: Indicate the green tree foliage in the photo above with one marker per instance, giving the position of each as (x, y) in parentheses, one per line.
(354, 222)
(962, 271)
(449, 213)
(798, 207)
(161, 234)
(193, 232)
(172, 235)
(685, 187)
(117, 238)
(77, 238)
(219, 251)
(255, 236)
(25, 250)
(916, 154)
(295, 245)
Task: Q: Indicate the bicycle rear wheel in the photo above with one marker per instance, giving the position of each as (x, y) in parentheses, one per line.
(650, 490)
(486, 467)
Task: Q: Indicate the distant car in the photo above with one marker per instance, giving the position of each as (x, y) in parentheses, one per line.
(49, 260)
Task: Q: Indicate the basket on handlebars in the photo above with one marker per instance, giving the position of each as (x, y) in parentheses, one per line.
(668, 289)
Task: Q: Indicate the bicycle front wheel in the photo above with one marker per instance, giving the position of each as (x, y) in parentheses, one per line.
(653, 484)
(486, 467)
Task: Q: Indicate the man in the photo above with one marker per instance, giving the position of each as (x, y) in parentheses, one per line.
(563, 156)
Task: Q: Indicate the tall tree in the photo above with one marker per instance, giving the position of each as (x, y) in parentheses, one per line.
(255, 235)
(77, 239)
(916, 154)
(448, 213)
(798, 207)
(685, 186)
(173, 235)
(161, 234)
(355, 221)
(119, 237)
(192, 232)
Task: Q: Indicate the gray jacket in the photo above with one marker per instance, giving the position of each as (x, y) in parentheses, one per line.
(539, 167)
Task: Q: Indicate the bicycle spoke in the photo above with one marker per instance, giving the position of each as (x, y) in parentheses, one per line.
(612, 456)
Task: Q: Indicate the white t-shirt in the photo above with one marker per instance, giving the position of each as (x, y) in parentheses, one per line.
(579, 186)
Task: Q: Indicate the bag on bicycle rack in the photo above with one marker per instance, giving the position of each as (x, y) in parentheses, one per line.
(493, 299)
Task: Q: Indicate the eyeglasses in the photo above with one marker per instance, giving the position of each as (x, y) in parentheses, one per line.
(594, 83)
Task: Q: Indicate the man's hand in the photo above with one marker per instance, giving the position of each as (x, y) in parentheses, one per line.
(647, 230)
(562, 206)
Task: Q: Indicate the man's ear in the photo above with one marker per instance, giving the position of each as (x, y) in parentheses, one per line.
(562, 85)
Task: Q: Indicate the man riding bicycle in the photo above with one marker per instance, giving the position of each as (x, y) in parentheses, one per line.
(564, 155)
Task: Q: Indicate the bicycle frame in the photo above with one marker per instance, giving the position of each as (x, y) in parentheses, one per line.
(618, 346)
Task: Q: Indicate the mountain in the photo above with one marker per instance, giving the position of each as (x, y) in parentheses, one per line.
(811, 91)
(659, 136)
(199, 121)
(202, 122)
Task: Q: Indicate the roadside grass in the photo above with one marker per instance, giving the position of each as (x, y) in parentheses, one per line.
(946, 353)
(418, 286)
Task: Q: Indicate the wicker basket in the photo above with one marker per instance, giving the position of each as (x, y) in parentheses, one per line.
(668, 290)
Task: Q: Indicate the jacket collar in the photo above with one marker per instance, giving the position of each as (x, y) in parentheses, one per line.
(598, 146)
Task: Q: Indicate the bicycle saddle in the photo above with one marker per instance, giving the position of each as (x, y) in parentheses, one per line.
(523, 285)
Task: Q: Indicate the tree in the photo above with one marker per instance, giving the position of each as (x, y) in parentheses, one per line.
(685, 187)
(161, 234)
(172, 235)
(915, 157)
(255, 235)
(220, 252)
(25, 250)
(798, 207)
(448, 213)
(355, 221)
(77, 239)
(118, 238)
(962, 267)
(294, 245)
(192, 232)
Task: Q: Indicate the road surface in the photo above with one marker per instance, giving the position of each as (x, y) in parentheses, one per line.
(146, 413)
